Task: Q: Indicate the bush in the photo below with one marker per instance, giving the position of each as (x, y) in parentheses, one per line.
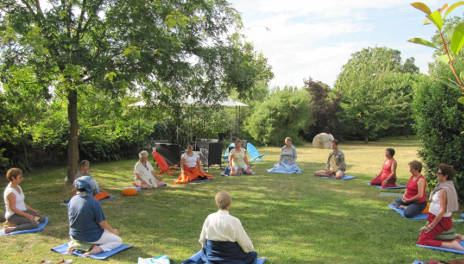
(284, 113)
(440, 123)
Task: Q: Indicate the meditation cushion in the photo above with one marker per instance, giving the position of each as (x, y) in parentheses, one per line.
(446, 235)
(426, 209)
(101, 195)
(129, 192)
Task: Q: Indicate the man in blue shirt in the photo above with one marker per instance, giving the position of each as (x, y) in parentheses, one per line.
(87, 222)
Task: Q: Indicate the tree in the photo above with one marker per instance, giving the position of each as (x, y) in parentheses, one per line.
(375, 90)
(283, 113)
(168, 49)
(324, 106)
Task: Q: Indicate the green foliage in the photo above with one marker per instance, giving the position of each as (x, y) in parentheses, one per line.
(324, 106)
(165, 50)
(450, 43)
(283, 113)
(439, 122)
(376, 90)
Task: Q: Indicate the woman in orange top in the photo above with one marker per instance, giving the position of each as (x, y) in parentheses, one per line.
(190, 167)
(387, 176)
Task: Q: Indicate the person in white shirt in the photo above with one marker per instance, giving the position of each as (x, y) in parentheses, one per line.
(223, 238)
(190, 167)
(18, 214)
(145, 175)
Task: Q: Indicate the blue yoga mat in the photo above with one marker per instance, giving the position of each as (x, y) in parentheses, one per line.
(35, 230)
(199, 181)
(401, 212)
(104, 255)
(418, 262)
(445, 249)
(108, 198)
(285, 169)
(344, 178)
(388, 188)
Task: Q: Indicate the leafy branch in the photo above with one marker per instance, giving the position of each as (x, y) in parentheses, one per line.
(457, 40)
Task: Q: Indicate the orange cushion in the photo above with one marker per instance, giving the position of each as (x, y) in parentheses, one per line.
(426, 209)
(101, 195)
(129, 192)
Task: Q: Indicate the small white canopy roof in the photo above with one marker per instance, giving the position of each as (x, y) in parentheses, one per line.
(228, 102)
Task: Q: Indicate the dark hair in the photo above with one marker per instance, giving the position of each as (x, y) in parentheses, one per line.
(13, 173)
(415, 165)
(83, 163)
(335, 141)
(391, 151)
(447, 170)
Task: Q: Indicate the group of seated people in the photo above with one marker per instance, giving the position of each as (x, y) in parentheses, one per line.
(223, 238)
(443, 201)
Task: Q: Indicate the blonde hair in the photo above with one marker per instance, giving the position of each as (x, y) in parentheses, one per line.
(223, 199)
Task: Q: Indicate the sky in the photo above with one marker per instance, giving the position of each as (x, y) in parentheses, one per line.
(315, 38)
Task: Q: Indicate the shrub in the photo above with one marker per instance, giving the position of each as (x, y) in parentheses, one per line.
(283, 113)
(440, 123)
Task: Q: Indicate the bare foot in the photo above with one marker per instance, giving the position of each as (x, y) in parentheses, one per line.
(95, 250)
(9, 229)
(461, 237)
(453, 244)
(403, 207)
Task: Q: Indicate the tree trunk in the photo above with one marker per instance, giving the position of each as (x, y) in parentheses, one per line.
(73, 147)
(23, 144)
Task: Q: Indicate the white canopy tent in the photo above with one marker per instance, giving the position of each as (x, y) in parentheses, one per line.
(228, 102)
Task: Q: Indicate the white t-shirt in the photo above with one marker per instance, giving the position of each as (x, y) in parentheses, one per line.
(435, 204)
(190, 161)
(221, 226)
(20, 205)
(145, 173)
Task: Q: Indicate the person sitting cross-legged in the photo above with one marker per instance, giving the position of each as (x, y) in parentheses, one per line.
(190, 167)
(87, 223)
(145, 176)
(413, 201)
(223, 237)
(444, 201)
(238, 161)
(387, 176)
(335, 166)
(18, 214)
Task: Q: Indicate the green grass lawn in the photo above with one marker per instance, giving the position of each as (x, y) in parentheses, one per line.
(289, 218)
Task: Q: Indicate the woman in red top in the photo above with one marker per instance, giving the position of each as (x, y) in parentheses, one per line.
(413, 201)
(387, 176)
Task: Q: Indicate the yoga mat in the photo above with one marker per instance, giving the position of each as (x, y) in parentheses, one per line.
(401, 212)
(108, 198)
(104, 255)
(35, 230)
(388, 188)
(163, 259)
(390, 194)
(445, 249)
(344, 178)
(418, 262)
(199, 181)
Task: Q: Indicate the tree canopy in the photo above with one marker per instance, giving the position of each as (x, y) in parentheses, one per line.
(376, 89)
(163, 49)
